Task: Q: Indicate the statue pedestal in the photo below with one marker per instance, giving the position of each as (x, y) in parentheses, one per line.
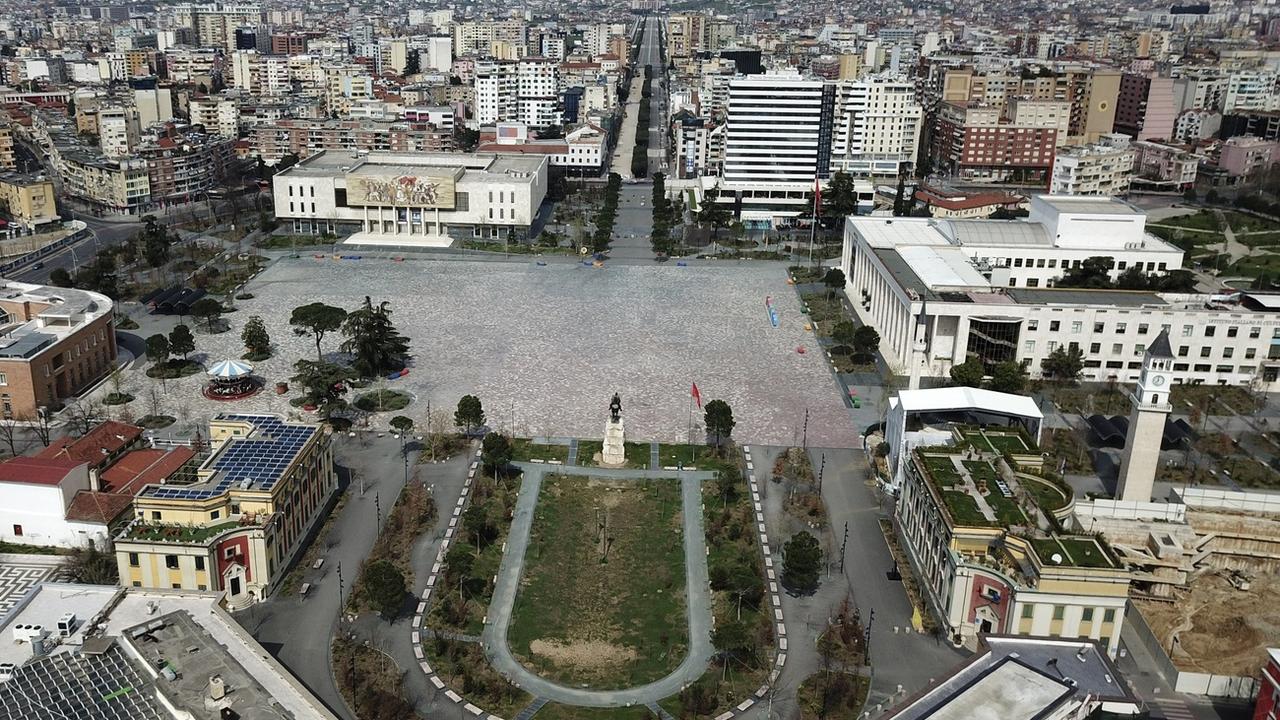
(613, 454)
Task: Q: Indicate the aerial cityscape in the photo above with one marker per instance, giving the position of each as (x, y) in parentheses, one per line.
(648, 360)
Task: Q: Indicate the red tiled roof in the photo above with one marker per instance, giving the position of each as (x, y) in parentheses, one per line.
(98, 507)
(95, 447)
(139, 468)
(37, 470)
(965, 202)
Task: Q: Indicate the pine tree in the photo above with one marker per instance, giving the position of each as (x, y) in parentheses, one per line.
(374, 341)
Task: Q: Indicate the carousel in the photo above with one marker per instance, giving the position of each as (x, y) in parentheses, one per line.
(231, 380)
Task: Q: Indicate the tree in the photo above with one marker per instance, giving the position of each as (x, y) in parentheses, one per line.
(712, 214)
(158, 348)
(844, 333)
(865, 341)
(59, 277)
(316, 319)
(470, 414)
(155, 242)
(374, 341)
(255, 337)
(801, 563)
(384, 587)
(323, 385)
(1065, 363)
(719, 419)
(900, 206)
(734, 639)
(181, 341)
(412, 64)
(402, 424)
(727, 483)
(1094, 272)
(495, 452)
(840, 198)
(91, 566)
(208, 310)
(1009, 377)
(834, 280)
(968, 373)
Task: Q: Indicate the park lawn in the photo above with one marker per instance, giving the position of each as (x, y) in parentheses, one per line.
(587, 451)
(1267, 240)
(523, 450)
(964, 509)
(603, 620)
(1236, 397)
(1249, 473)
(556, 711)
(1187, 239)
(1253, 266)
(1242, 223)
(1203, 220)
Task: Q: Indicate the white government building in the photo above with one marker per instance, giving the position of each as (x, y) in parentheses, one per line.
(941, 290)
(412, 199)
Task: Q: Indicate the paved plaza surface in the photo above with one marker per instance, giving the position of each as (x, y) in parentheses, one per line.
(545, 347)
(20, 573)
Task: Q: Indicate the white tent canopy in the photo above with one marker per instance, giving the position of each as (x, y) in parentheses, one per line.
(229, 370)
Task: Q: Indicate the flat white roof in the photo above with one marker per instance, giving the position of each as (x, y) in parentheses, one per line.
(967, 398)
(1009, 692)
(942, 267)
(44, 605)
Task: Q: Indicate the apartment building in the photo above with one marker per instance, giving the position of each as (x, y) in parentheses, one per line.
(477, 37)
(218, 115)
(982, 142)
(235, 521)
(1244, 156)
(496, 85)
(537, 89)
(581, 150)
(1104, 168)
(419, 132)
(57, 342)
(878, 125)
(214, 25)
(984, 288)
(1091, 92)
(118, 130)
(183, 166)
(260, 74)
(27, 201)
(1164, 166)
(7, 160)
(698, 145)
(115, 185)
(686, 34)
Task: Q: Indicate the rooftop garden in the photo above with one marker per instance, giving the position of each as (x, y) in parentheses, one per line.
(999, 440)
(957, 490)
(1085, 552)
(186, 534)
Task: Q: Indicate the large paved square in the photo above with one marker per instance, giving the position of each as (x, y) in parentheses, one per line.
(549, 345)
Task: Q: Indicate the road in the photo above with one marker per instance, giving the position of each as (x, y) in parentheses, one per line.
(697, 587)
(651, 54)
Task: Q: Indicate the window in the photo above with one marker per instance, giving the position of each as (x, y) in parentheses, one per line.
(1029, 346)
(1028, 611)
(137, 583)
(1076, 327)
(199, 563)
(215, 514)
(155, 514)
(1142, 328)
(1054, 325)
(17, 530)
(1201, 367)
(1116, 348)
(1139, 349)
(1121, 327)
(1087, 615)
(4, 379)
(1254, 332)
(1033, 325)
(1233, 331)
(1250, 353)
(201, 587)
(1058, 612)
(1052, 345)
(171, 562)
(177, 586)
(229, 553)
(1095, 348)
(1109, 615)
(1033, 282)
(1227, 352)
(1209, 330)
(1099, 327)
(1204, 351)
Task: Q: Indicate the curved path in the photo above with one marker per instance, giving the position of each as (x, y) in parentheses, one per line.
(697, 587)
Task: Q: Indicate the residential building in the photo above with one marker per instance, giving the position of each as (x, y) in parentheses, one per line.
(1105, 168)
(214, 24)
(183, 166)
(978, 529)
(1164, 166)
(984, 288)
(218, 115)
(980, 142)
(582, 149)
(877, 129)
(951, 205)
(27, 201)
(496, 84)
(57, 342)
(1192, 126)
(1244, 156)
(418, 199)
(115, 185)
(421, 131)
(7, 161)
(118, 131)
(476, 38)
(686, 34)
(1249, 90)
(237, 522)
(38, 505)
(537, 86)
(698, 145)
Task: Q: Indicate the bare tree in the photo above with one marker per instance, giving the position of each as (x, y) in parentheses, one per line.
(153, 400)
(39, 423)
(82, 414)
(12, 436)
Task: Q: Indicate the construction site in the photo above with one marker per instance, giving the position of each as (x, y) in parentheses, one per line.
(1205, 578)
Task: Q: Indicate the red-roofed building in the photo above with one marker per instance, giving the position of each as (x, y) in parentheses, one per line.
(99, 448)
(139, 468)
(36, 497)
(954, 205)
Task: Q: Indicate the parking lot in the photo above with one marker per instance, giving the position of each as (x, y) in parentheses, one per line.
(545, 347)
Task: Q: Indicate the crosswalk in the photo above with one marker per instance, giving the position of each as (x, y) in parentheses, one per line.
(1171, 708)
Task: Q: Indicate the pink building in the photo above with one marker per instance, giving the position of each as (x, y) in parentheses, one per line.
(1246, 155)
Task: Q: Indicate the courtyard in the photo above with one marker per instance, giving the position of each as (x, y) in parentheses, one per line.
(545, 346)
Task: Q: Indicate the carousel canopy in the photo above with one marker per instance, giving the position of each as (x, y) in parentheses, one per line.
(230, 369)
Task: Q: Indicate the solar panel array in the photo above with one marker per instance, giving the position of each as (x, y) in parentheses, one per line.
(262, 458)
(79, 686)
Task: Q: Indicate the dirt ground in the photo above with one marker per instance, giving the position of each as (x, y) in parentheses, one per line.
(1220, 629)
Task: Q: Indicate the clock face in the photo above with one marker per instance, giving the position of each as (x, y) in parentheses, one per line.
(1157, 380)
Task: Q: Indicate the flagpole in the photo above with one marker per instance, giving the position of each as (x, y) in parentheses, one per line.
(690, 435)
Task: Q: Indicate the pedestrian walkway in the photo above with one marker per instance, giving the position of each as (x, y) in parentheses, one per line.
(573, 452)
(654, 456)
(1171, 708)
(532, 708)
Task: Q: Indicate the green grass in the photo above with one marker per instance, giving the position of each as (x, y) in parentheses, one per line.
(556, 711)
(179, 533)
(603, 620)
(1242, 223)
(1203, 220)
(1265, 240)
(587, 451)
(9, 548)
(1006, 509)
(175, 368)
(1007, 442)
(964, 509)
(1186, 239)
(1253, 266)
(526, 450)
(383, 401)
(1048, 496)
(941, 469)
(1078, 552)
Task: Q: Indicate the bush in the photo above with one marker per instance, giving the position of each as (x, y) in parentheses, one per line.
(117, 398)
(155, 422)
(383, 400)
(384, 587)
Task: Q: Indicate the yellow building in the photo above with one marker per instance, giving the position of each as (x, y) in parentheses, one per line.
(236, 520)
(27, 200)
(981, 528)
(7, 160)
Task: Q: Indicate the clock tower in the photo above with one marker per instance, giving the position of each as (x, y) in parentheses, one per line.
(1146, 423)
